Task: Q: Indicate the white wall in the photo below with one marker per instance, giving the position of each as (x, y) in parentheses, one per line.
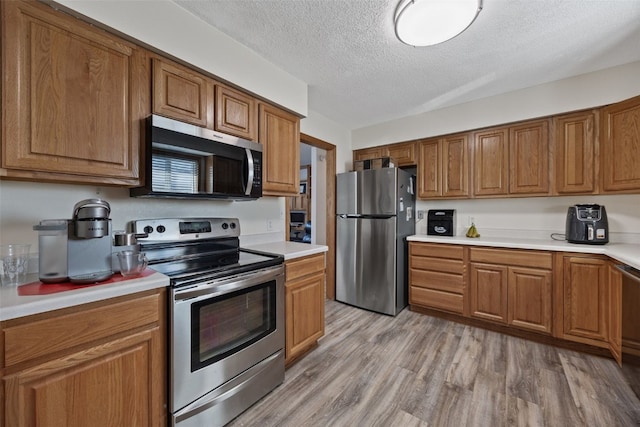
(320, 127)
(585, 91)
(536, 216)
(24, 204)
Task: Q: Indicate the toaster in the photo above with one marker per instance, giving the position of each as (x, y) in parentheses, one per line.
(587, 224)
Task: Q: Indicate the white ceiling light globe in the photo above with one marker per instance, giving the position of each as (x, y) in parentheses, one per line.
(429, 22)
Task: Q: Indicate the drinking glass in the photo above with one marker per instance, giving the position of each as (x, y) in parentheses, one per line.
(15, 260)
(132, 263)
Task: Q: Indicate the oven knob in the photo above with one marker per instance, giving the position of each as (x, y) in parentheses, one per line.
(161, 229)
(225, 225)
(233, 225)
(148, 229)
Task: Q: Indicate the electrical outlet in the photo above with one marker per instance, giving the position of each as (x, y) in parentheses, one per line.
(472, 220)
(269, 225)
(420, 214)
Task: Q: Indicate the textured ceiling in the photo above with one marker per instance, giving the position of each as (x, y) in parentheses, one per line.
(359, 74)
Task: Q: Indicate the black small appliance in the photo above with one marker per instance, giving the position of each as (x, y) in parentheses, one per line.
(441, 222)
(587, 224)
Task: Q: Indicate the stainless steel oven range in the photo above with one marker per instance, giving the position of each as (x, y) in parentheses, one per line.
(226, 326)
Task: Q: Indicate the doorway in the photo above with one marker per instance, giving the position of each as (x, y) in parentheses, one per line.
(320, 198)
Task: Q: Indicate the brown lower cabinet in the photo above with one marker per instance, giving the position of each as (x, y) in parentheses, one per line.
(511, 287)
(564, 296)
(304, 306)
(96, 364)
(436, 276)
(591, 302)
(630, 317)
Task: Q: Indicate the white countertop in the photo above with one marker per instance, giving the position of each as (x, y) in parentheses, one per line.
(626, 253)
(14, 305)
(289, 250)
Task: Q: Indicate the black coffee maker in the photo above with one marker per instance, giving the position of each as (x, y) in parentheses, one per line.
(587, 224)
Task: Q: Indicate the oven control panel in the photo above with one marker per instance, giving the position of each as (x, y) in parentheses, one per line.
(176, 229)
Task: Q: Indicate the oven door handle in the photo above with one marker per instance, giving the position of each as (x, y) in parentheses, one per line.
(229, 284)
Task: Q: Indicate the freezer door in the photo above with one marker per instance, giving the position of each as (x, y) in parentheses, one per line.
(366, 263)
(367, 192)
(347, 193)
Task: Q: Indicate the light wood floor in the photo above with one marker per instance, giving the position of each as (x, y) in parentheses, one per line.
(416, 370)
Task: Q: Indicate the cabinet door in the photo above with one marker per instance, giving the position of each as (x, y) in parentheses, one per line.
(304, 314)
(529, 299)
(585, 299)
(404, 154)
(488, 292)
(430, 169)
(236, 113)
(455, 165)
(615, 313)
(73, 100)
(280, 137)
(529, 158)
(620, 144)
(181, 93)
(574, 153)
(630, 316)
(491, 162)
(110, 384)
(367, 153)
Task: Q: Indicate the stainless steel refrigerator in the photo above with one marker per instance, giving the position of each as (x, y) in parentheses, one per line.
(375, 214)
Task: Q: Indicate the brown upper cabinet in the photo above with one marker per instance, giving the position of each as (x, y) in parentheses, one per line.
(595, 151)
(491, 162)
(620, 152)
(444, 167)
(512, 160)
(280, 136)
(74, 99)
(574, 149)
(236, 113)
(182, 94)
(368, 153)
(186, 95)
(403, 153)
(529, 158)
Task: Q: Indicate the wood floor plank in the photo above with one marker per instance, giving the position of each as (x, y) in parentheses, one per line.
(415, 370)
(521, 413)
(464, 367)
(522, 369)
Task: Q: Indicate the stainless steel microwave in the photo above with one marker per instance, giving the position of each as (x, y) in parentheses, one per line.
(190, 162)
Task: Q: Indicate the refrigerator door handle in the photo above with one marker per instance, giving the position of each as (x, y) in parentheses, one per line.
(358, 216)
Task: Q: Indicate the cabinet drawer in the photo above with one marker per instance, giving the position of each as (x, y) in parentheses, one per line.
(27, 341)
(437, 280)
(436, 250)
(524, 258)
(303, 266)
(437, 264)
(436, 299)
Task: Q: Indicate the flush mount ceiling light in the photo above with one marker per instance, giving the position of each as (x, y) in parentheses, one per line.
(429, 22)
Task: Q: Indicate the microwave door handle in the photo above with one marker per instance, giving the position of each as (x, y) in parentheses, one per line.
(250, 176)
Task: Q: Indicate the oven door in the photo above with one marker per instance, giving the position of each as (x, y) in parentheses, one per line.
(221, 328)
